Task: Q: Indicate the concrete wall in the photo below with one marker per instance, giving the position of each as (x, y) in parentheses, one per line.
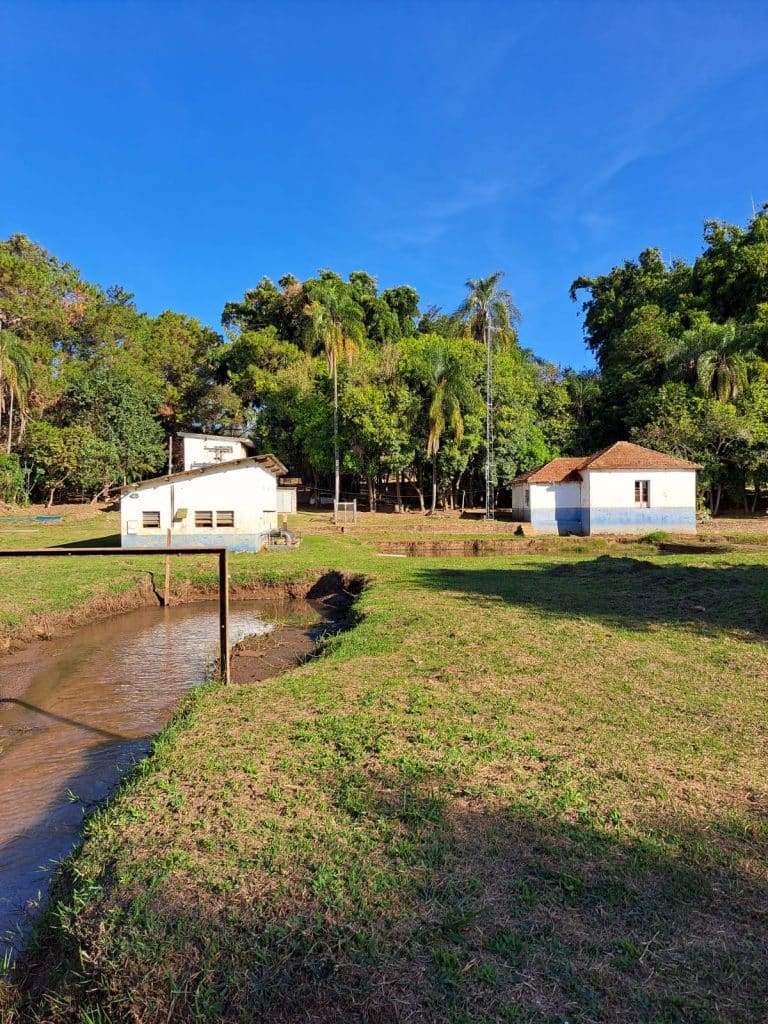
(610, 505)
(207, 450)
(556, 508)
(250, 492)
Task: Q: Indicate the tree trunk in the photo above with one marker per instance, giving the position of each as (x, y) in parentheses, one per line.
(434, 483)
(398, 491)
(717, 496)
(10, 424)
(336, 462)
(371, 492)
(419, 486)
(50, 497)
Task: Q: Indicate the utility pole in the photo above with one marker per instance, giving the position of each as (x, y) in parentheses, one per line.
(488, 422)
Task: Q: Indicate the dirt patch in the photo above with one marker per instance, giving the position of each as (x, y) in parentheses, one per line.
(459, 548)
(260, 657)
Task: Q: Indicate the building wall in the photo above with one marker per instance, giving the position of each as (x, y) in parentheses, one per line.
(556, 508)
(250, 492)
(208, 450)
(520, 508)
(610, 505)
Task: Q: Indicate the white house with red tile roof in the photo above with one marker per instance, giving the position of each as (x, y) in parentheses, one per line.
(623, 489)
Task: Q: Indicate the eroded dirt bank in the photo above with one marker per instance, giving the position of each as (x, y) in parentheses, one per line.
(333, 590)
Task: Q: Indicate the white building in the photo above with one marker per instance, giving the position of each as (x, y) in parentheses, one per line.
(230, 504)
(623, 489)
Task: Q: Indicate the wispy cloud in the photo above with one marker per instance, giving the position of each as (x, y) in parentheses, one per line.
(427, 220)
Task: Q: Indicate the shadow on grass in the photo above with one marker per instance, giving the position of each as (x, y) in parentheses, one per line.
(112, 540)
(623, 592)
(496, 914)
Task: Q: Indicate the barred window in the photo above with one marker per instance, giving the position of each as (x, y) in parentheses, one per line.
(150, 520)
(643, 492)
(225, 518)
(204, 519)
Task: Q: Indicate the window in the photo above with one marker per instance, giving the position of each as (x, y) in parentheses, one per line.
(527, 496)
(643, 493)
(150, 520)
(225, 518)
(204, 519)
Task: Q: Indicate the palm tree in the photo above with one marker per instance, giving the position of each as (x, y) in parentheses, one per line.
(15, 381)
(489, 315)
(720, 357)
(489, 309)
(334, 320)
(446, 386)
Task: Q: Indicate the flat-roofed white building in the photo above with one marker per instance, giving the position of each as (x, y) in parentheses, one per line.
(230, 504)
(623, 489)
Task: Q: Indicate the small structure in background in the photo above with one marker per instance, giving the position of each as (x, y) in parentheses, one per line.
(345, 513)
(287, 490)
(623, 489)
(230, 503)
(198, 450)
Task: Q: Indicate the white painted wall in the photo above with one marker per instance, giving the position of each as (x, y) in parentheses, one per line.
(207, 450)
(550, 496)
(616, 488)
(249, 491)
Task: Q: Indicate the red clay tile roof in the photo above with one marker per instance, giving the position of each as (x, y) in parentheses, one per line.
(624, 455)
(621, 455)
(558, 471)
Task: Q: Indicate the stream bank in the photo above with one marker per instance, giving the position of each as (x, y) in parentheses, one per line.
(77, 712)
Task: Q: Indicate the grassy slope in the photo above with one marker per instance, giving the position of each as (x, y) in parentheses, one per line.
(522, 789)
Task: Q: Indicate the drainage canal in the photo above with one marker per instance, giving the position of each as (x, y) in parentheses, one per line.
(77, 712)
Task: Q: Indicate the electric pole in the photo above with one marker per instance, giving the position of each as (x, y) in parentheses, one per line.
(488, 422)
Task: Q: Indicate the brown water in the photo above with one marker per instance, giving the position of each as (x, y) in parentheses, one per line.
(76, 713)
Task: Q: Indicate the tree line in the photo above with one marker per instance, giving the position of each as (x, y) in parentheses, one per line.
(354, 386)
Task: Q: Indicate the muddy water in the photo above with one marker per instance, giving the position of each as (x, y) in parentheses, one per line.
(77, 712)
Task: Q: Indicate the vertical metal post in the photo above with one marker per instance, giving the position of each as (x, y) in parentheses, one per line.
(224, 615)
(488, 424)
(167, 588)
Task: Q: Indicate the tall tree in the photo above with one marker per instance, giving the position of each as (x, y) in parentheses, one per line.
(488, 309)
(333, 319)
(16, 374)
(489, 315)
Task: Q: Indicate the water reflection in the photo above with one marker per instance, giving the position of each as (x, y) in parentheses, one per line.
(77, 712)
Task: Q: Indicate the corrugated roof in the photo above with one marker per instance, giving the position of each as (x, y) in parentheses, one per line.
(621, 455)
(270, 463)
(625, 455)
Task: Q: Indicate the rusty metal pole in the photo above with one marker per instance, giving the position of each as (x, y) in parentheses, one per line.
(224, 615)
(167, 588)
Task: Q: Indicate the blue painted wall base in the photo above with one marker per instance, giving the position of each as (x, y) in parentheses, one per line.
(233, 542)
(587, 521)
(640, 520)
(557, 520)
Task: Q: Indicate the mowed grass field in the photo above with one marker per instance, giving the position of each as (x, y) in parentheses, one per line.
(521, 788)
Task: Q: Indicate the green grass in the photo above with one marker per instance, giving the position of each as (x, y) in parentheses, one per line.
(528, 788)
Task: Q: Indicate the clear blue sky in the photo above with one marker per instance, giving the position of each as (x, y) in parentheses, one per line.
(185, 149)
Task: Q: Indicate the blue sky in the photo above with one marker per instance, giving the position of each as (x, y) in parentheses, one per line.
(184, 150)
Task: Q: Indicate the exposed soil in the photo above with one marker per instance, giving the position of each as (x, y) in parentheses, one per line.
(255, 659)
